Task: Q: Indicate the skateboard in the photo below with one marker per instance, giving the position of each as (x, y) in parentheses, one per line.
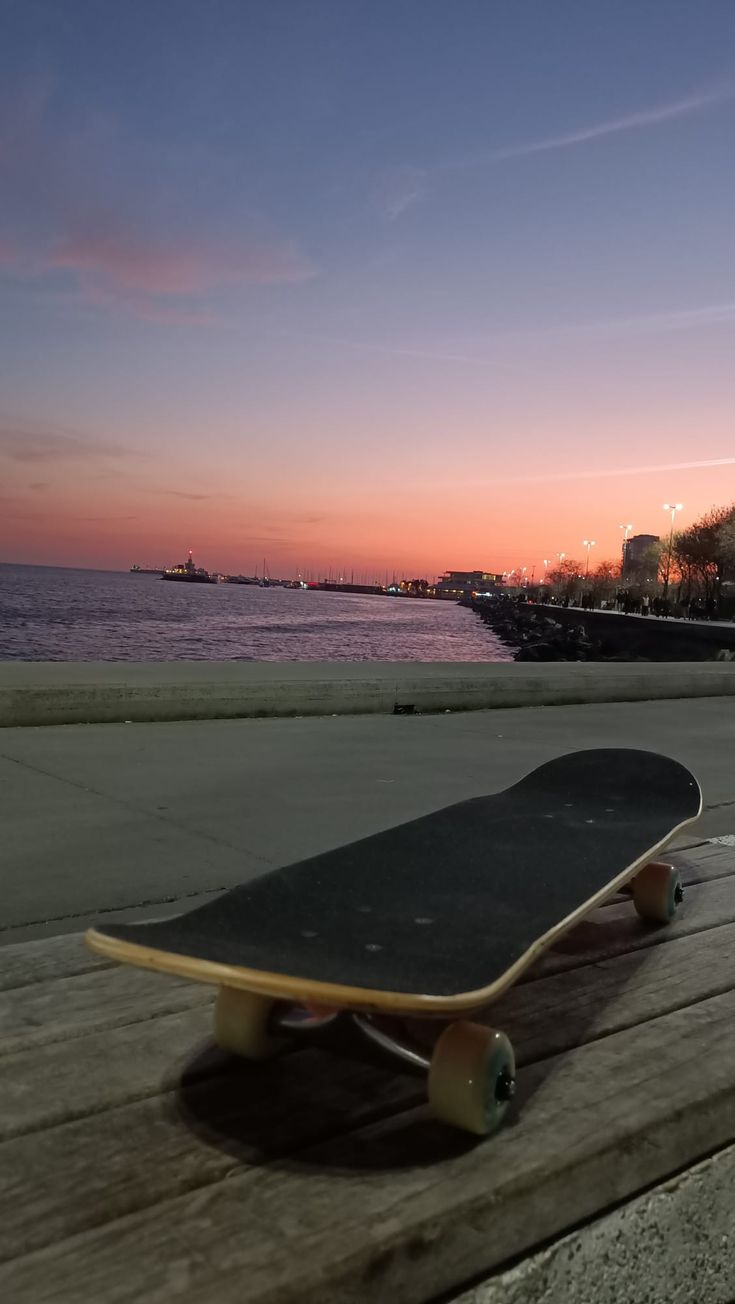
(432, 919)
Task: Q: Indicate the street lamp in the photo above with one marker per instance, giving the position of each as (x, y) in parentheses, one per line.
(673, 508)
(626, 531)
(588, 544)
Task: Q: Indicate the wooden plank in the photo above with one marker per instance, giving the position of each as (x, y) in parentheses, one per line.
(134, 1156)
(274, 1108)
(70, 1007)
(129, 1065)
(702, 863)
(405, 1209)
(50, 957)
(574, 1006)
(673, 1243)
(615, 929)
(51, 1083)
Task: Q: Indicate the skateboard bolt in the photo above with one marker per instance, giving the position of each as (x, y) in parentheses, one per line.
(505, 1086)
(678, 894)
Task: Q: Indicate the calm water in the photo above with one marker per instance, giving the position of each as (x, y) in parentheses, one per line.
(49, 614)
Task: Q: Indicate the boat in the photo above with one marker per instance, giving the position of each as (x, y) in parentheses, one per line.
(146, 570)
(188, 573)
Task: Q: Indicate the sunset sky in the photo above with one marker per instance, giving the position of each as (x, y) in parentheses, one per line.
(377, 283)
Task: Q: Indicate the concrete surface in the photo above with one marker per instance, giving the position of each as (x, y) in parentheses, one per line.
(56, 692)
(673, 1245)
(149, 818)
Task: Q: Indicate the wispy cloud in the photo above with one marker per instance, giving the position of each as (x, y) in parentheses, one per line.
(406, 186)
(34, 446)
(105, 247)
(670, 320)
(714, 314)
(401, 351)
(396, 189)
(129, 260)
(606, 473)
(636, 121)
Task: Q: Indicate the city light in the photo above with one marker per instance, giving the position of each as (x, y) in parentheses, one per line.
(588, 544)
(673, 508)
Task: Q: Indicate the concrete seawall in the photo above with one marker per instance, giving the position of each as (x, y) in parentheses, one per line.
(678, 639)
(50, 693)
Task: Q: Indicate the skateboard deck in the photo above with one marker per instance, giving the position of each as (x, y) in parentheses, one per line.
(439, 915)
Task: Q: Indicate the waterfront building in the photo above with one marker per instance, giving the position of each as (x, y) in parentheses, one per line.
(456, 584)
(637, 555)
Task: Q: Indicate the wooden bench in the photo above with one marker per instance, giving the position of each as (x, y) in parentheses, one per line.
(139, 1164)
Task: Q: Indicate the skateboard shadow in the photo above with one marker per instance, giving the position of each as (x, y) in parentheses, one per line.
(292, 1111)
(340, 1107)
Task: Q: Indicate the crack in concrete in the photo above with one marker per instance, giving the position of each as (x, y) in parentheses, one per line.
(138, 810)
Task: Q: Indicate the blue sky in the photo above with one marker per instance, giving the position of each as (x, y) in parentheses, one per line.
(274, 260)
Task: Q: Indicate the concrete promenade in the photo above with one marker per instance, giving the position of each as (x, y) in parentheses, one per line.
(147, 819)
(51, 693)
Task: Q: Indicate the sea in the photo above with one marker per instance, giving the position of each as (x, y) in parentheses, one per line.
(54, 614)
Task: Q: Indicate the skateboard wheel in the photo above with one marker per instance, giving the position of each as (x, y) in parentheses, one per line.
(471, 1077)
(657, 892)
(241, 1023)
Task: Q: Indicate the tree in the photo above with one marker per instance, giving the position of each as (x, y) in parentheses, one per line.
(564, 579)
(703, 554)
(726, 542)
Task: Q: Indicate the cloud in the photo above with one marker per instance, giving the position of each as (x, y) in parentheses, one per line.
(405, 186)
(195, 498)
(609, 472)
(714, 314)
(76, 224)
(43, 446)
(636, 121)
(396, 189)
(399, 351)
(159, 281)
(672, 319)
(108, 253)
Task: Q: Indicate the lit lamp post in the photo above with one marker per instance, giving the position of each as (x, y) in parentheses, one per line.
(588, 544)
(673, 508)
(626, 531)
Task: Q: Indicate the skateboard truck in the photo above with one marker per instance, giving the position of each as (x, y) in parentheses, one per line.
(470, 1071)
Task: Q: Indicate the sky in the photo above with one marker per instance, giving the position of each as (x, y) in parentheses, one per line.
(362, 284)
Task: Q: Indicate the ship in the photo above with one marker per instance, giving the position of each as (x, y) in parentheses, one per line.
(188, 573)
(146, 570)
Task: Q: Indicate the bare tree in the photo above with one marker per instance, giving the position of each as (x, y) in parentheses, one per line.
(564, 579)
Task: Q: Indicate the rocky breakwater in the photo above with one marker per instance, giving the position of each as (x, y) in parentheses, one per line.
(537, 637)
(593, 635)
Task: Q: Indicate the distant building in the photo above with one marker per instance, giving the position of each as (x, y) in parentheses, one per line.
(635, 558)
(461, 584)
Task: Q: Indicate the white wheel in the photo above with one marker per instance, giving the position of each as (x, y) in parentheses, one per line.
(241, 1024)
(471, 1077)
(657, 892)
